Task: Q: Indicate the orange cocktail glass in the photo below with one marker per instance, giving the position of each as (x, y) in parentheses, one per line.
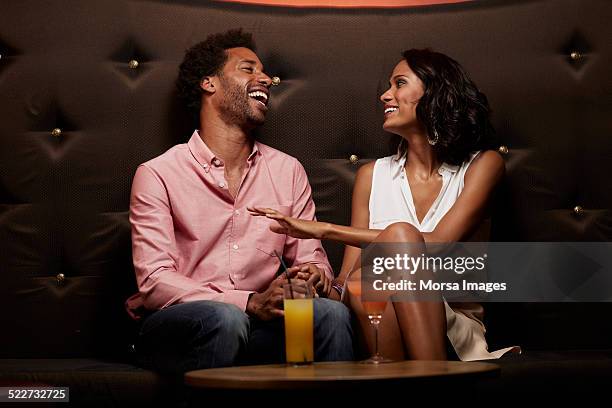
(374, 310)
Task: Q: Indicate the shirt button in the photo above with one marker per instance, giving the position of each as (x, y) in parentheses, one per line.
(216, 162)
(221, 184)
(236, 212)
(235, 246)
(205, 165)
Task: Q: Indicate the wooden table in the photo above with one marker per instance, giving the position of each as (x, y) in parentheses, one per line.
(338, 375)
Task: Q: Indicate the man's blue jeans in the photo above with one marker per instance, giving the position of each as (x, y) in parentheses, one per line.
(206, 334)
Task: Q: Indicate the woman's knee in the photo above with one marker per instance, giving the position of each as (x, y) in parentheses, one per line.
(401, 232)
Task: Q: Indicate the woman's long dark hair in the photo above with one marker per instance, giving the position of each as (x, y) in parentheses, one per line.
(451, 107)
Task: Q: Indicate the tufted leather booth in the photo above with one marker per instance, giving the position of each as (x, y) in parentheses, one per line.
(86, 94)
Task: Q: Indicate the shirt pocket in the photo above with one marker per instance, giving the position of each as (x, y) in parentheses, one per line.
(268, 241)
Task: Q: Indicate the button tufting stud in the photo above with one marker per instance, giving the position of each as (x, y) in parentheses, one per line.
(275, 81)
(576, 50)
(503, 149)
(56, 132)
(133, 64)
(60, 278)
(576, 56)
(353, 158)
(578, 210)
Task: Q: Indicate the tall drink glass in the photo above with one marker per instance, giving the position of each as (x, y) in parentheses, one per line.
(299, 322)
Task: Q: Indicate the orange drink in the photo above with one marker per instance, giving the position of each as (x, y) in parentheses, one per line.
(299, 331)
(374, 308)
(299, 318)
(370, 307)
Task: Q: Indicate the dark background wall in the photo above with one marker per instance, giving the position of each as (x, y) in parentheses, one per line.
(65, 260)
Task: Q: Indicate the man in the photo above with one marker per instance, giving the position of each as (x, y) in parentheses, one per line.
(205, 268)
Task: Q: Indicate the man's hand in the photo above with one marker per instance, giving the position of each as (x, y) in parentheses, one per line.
(268, 305)
(314, 276)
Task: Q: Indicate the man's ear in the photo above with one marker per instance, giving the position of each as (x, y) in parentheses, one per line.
(208, 84)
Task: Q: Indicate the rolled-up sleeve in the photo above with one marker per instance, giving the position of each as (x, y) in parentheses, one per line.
(301, 251)
(154, 251)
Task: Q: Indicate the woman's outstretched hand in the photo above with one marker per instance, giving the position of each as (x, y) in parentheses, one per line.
(293, 227)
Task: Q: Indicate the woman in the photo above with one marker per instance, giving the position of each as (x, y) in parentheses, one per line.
(435, 189)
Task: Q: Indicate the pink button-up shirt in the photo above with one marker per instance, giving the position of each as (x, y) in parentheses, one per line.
(192, 241)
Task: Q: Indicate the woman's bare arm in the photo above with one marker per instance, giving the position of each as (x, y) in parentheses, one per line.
(469, 210)
(458, 223)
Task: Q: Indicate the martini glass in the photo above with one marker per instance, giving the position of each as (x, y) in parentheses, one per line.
(374, 310)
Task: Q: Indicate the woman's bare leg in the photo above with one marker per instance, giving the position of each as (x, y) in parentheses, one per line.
(389, 336)
(422, 324)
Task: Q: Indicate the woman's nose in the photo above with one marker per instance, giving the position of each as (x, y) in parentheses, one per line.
(386, 97)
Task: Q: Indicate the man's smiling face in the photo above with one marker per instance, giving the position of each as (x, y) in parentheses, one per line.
(244, 89)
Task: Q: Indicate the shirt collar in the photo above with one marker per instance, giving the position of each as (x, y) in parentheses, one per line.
(399, 161)
(255, 153)
(450, 168)
(207, 158)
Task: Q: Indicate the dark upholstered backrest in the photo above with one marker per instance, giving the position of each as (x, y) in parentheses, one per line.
(65, 258)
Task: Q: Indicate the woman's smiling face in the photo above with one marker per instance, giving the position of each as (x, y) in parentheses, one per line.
(401, 99)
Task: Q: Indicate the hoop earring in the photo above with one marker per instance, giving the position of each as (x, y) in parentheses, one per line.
(435, 139)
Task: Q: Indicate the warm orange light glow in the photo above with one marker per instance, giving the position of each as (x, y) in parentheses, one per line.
(346, 3)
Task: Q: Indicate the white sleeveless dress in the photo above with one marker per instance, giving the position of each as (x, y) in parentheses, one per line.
(391, 201)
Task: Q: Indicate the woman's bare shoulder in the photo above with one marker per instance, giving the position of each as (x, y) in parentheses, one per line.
(490, 159)
(367, 169)
(489, 164)
(364, 174)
